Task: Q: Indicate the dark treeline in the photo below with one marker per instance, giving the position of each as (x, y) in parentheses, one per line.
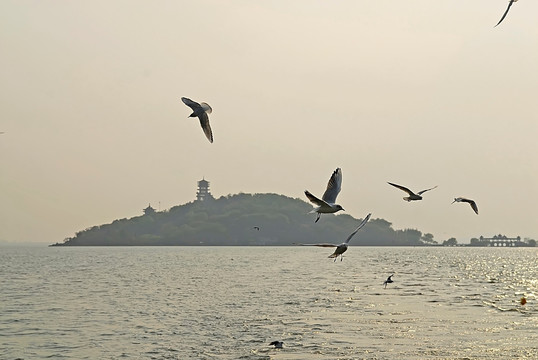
(231, 220)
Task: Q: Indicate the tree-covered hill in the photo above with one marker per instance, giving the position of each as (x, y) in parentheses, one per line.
(231, 220)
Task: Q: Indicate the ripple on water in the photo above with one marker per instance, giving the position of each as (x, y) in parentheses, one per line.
(185, 303)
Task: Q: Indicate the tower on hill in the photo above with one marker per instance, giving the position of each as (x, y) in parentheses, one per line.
(203, 192)
(149, 210)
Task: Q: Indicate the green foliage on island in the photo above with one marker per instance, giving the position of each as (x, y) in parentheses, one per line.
(231, 220)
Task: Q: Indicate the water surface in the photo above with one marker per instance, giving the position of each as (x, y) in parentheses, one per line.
(231, 302)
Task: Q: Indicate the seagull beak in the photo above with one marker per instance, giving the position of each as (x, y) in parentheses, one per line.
(453, 202)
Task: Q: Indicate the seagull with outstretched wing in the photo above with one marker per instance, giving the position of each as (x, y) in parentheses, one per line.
(469, 201)
(341, 248)
(327, 203)
(412, 196)
(201, 111)
(388, 281)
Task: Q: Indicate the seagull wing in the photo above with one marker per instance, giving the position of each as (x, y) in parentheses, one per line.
(423, 191)
(204, 122)
(358, 227)
(402, 188)
(333, 187)
(315, 200)
(320, 245)
(192, 104)
(506, 12)
(206, 107)
(473, 205)
(470, 202)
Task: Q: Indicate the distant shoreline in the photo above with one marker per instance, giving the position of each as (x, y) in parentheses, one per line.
(259, 220)
(291, 245)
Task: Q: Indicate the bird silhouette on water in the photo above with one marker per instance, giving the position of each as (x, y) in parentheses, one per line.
(200, 111)
(277, 344)
(341, 249)
(388, 281)
(412, 196)
(327, 203)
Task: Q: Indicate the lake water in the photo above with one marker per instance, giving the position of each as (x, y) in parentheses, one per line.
(231, 302)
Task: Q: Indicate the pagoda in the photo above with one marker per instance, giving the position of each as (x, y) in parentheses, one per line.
(203, 192)
(149, 210)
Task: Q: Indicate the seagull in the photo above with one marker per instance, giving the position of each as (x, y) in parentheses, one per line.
(200, 111)
(327, 203)
(412, 196)
(277, 344)
(471, 202)
(341, 249)
(388, 281)
(510, 2)
(256, 228)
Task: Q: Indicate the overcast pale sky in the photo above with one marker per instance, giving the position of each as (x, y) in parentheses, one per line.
(417, 92)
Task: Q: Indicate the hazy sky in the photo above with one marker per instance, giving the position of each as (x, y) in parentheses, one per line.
(417, 92)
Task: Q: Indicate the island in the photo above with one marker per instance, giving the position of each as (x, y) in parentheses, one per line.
(251, 220)
(242, 219)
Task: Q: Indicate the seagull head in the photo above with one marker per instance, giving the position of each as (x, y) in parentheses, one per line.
(339, 207)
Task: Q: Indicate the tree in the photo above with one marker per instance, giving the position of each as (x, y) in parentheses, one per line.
(450, 242)
(531, 242)
(428, 238)
(230, 221)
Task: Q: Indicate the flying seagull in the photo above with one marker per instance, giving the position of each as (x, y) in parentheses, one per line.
(471, 202)
(341, 249)
(277, 344)
(256, 228)
(327, 203)
(200, 111)
(412, 196)
(510, 2)
(388, 281)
